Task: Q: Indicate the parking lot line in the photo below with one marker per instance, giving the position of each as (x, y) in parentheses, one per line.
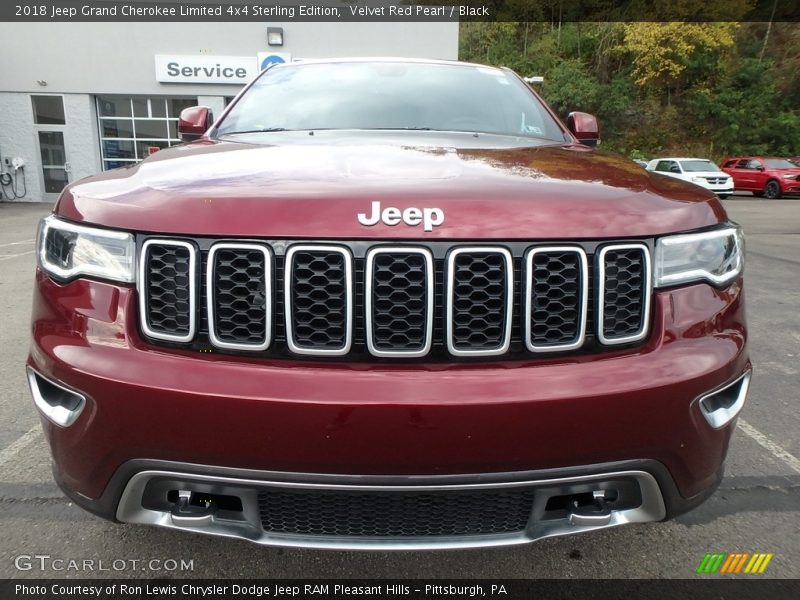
(777, 451)
(17, 243)
(10, 256)
(18, 445)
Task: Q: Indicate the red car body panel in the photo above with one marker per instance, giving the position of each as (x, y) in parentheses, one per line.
(754, 180)
(633, 401)
(236, 189)
(359, 418)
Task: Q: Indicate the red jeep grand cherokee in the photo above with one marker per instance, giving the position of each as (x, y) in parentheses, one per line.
(388, 304)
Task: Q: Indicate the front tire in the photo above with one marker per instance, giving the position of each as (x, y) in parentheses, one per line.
(724, 196)
(772, 191)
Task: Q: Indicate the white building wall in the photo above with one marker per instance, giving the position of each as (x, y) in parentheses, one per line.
(81, 60)
(81, 138)
(17, 138)
(19, 135)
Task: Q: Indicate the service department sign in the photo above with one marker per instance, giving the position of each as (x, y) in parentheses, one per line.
(205, 69)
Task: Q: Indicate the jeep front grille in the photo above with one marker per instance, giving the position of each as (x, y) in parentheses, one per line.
(399, 299)
(318, 299)
(395, 514)
(367, 301)
(167, 272)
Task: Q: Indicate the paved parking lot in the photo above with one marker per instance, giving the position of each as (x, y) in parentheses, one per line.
(755, 510)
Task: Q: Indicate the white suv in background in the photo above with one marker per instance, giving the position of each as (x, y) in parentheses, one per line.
(699, 171)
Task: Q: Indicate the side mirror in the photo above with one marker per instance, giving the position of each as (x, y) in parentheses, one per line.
(194, 122)
(674, 169)
(584, 127)
(759, 168)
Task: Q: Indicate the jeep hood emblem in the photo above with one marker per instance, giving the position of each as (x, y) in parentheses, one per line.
(391, 215)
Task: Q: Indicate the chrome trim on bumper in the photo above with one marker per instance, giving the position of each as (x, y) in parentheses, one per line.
(60, 415)
(721, 416)
(131, 510)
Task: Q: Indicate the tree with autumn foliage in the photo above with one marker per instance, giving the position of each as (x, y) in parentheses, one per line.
(680, 88)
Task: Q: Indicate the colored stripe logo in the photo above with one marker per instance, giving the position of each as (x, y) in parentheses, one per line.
(734, 562)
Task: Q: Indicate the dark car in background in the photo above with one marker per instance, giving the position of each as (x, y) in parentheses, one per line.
(770, 177)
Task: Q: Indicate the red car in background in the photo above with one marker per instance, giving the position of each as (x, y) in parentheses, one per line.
(766, 176)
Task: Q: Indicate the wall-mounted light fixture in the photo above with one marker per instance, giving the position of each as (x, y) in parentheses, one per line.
(275, 36)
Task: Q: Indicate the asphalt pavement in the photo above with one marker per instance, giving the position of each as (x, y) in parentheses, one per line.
(755, 510)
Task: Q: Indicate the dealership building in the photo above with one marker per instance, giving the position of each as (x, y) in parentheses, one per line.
(80, 98)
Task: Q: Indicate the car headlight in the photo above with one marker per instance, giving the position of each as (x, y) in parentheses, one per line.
(715, 256)
(699, 179)
(789, 176)
(67, 251)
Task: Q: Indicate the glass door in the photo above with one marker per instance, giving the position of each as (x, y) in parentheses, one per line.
(55, 168)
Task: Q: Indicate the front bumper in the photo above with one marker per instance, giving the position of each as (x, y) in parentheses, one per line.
(144, 403)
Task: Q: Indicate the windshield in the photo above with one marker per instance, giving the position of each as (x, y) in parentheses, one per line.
(779, 163)
(699, 165)
(390, 95)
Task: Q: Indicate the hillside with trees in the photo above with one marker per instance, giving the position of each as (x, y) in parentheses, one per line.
(660, 88)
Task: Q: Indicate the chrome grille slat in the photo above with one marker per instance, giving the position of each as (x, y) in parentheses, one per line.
(331, 299)
(239, 305)
(167, 280)
(399, 301)
(623, 295)
(466, 305)
(555, 298)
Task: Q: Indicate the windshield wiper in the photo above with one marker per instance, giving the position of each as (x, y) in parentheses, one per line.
(262, 130)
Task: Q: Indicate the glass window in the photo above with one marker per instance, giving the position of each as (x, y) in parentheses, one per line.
(364, 95)
(140, 108)
(147, 148)
(114, 106)
(118, 149)
(176, 105)
(132, 128)
(152, 129)
(779, 163)
(48, 110)
(117, 164)
(158, 108)
(698, 165)
(51, 146)
(117, 128)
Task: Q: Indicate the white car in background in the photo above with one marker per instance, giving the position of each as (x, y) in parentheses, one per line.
(699, 171)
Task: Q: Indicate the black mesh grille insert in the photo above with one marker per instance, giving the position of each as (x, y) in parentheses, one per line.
(624, 282)
(239, 280)
(167, 289)
(400, 289)
(319, 299)
(480, 294)
(395, 514)
(556, 298)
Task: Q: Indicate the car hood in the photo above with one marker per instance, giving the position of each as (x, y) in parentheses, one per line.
(315, 187)
(706, 174)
